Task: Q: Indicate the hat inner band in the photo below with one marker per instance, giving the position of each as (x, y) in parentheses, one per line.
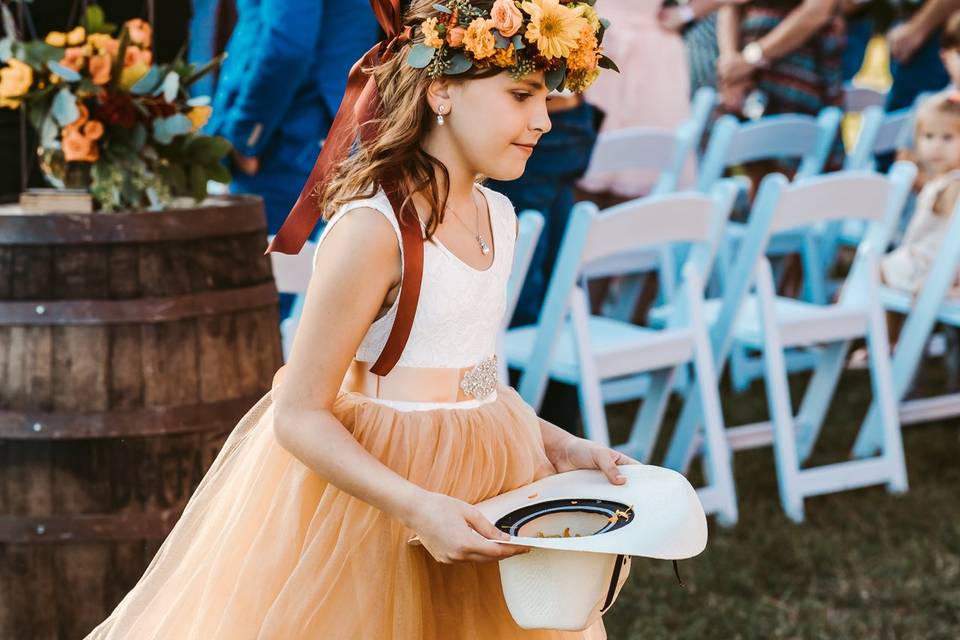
(547, 520)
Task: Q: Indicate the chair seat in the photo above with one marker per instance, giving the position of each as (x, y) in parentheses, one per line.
(903, 302)
(801, 323)
(619, 349)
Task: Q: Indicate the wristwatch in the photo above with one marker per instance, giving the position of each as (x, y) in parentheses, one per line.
(753, 54)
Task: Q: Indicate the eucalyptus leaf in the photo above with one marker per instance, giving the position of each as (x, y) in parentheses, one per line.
(66, 73)
(166, 129)
(420, 56)
(148, 83)
(198, 182)
(198, 101)
(500, 41)
(138, 138)
(554, 77)
(442, 9)
(171, 86)
(459, 63)
(64, 108)
(9, 24)
(49, 133)
(6, 48)
(518, 42)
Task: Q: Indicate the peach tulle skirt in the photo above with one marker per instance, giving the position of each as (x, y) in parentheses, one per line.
(266, 549)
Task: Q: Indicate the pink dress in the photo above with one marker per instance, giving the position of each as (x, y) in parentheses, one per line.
(651, 90)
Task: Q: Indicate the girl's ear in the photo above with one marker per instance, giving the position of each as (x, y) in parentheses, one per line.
(438, 93)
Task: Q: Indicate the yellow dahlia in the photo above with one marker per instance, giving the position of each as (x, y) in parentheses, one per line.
(15, 80)
(553, 27)
(431, 36)
(505, 57)
(478, 39)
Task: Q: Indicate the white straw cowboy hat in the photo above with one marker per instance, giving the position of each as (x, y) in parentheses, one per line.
(583, 530)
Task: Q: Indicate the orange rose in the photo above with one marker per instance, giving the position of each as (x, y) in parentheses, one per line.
(140, 32)
(100, 66)
(15, 80)
(455, 36)
(93, 130)
(78, 148)
(134, 57)
(84, 114)
(507, 19)
(73, 58)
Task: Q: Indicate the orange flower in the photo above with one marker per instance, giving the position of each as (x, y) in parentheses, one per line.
(455, 36)
(587, 53)
(507, 19)
(199, 116)
(140, 32)
(104, 44)
(15, 80)
(134, 56)
(505, 57)
(93, 130)
(79, 148)
(74, 57)
(56, 39)
(84, 114)
(76, 36)
(431, 37)
(100, 66)
(479, 39)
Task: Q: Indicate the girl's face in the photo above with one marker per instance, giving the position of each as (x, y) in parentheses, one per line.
(938, 141)
(492, 124)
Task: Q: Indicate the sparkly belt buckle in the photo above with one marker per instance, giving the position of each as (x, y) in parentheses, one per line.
(481, 381)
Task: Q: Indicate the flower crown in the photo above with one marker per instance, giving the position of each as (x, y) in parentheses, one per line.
(561, 38)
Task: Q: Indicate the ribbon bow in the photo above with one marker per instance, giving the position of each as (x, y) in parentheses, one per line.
(359, 106)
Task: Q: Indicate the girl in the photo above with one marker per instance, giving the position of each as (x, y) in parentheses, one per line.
(937, 152)
(301, 528)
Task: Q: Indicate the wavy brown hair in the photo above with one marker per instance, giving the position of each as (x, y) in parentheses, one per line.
(396, 153)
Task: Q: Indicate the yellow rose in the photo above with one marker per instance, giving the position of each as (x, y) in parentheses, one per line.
(431, 36)
(199, 116)
(132, 74)
(76, 36)
(56, 39)
(507, 19)
(478, 39)
(15, 80)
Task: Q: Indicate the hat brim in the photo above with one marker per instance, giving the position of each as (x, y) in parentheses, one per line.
(668, 520)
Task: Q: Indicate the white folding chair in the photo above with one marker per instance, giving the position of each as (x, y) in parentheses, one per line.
(772, 324)
(571, 345)
(292, 274)
(529, 228)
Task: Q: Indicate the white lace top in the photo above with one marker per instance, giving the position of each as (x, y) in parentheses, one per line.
(460, 309)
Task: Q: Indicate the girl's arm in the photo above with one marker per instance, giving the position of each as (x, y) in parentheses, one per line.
(728, 29)
(798, 27)
(357, 265)
(947, 199)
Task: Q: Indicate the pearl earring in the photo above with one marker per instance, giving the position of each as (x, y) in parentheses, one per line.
(440, 111)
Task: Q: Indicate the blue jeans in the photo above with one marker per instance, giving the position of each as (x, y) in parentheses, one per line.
(546, 186)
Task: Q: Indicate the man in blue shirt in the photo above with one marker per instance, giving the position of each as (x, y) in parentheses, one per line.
(279, 89)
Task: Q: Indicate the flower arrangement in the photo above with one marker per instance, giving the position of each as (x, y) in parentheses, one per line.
(562, 38)
(110, 120)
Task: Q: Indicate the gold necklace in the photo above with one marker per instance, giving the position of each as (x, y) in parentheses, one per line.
(484, 247)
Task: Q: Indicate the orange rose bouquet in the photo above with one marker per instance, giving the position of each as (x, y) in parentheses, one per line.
(109, 119)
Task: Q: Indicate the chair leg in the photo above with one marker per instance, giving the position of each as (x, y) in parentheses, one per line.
(646, 426)
(818, 396)
(685, 440)
(593, 411)
(778, 399)
(881, 376)
(741, 375)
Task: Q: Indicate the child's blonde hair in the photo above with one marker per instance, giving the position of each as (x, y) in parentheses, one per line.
(396, 153)
(943, 103)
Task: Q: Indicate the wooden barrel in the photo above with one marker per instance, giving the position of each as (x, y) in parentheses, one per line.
(130, 345)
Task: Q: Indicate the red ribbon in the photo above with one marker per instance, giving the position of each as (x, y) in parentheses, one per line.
(360, 103)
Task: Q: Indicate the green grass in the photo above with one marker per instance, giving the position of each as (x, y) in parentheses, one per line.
(865, 564)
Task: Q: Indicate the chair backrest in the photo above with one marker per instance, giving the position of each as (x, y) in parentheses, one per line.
(594, 237)
(292, 272)
(701, 109)
(807, 138)
(857, 98)
(663, 150)
(880, 133)
(530, 226)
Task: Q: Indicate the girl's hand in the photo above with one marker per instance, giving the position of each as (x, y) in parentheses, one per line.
(453, 531)
(733, 69)
(904, 40)
(577, 453)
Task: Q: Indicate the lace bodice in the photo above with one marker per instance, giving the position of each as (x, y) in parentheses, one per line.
(460, 309)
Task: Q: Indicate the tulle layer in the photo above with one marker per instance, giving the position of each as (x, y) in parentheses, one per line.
(266, 549)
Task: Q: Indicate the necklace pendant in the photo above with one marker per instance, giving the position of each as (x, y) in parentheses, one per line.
(484, 247)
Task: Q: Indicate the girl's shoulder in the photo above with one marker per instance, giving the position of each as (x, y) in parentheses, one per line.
(498, 200)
